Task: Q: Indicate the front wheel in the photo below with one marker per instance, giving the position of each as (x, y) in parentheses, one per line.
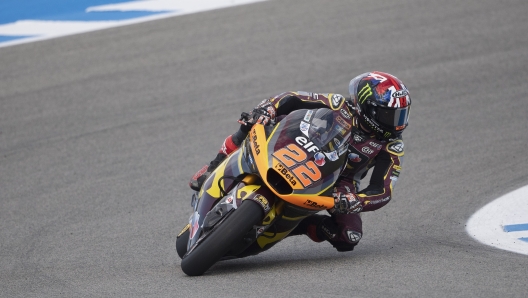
(182, 240)
(221, 238)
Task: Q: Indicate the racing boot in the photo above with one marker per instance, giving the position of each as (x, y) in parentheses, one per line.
(317, 227)
(199, 178)
(321, 228)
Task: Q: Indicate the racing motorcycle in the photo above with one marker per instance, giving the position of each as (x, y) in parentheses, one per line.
(281, 174)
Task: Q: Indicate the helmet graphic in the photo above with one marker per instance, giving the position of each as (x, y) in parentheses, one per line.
(381, 102)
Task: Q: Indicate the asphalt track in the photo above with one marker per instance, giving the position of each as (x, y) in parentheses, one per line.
(100, 132)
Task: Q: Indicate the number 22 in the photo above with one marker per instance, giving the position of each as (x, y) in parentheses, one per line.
(293, 157)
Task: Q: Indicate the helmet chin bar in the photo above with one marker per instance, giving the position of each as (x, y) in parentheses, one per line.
(367, 125)
(364, 129)
(367, 122)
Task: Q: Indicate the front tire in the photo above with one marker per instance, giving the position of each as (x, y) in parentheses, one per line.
(221, 238)
(181, 241)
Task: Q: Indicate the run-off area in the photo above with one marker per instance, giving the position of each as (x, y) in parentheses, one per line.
(32, 20)
(503, 223)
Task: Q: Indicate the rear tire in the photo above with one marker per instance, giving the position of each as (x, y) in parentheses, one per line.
(220, 240)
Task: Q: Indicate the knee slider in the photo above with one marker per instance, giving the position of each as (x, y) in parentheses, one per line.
(354, 236)
(352, 240)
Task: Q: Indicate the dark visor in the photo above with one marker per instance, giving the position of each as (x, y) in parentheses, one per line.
(396, 118)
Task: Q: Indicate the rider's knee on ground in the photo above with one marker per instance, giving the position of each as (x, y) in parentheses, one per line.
(347, 243)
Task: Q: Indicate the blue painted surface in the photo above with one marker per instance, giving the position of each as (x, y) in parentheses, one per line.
(524, 239)
(101, 16)
(61, 10)
(516, 228)
(4, 38)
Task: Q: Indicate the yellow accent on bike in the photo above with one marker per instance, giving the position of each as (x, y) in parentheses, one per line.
(270, 237)
(244, 192)
(214, 191)
(184, 230)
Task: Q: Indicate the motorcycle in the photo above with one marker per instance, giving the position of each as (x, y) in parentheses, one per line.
(281, 174)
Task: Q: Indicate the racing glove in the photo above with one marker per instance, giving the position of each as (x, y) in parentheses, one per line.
(262, 116)
(347, 203)
(264, 113)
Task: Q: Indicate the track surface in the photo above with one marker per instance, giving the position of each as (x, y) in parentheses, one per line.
(100, 132)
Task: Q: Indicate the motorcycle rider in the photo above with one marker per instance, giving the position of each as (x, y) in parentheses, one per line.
(378, 110)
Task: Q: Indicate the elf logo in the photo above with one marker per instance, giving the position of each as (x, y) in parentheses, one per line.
(309, 146)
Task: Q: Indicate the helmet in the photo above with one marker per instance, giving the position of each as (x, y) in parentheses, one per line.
(381, 103)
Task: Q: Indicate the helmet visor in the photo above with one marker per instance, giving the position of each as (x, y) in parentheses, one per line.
(393, 118)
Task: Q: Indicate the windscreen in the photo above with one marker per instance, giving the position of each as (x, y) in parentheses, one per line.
(329, 130)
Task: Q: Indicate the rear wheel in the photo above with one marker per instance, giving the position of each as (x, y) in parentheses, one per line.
(218, 242)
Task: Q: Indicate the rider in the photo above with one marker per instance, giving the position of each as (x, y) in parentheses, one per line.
(379, 107)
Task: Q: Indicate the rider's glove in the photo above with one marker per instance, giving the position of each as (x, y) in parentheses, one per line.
(264, 113)
(263, 116)
(347, 203)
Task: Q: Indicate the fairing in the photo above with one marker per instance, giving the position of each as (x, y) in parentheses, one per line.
(301, 158)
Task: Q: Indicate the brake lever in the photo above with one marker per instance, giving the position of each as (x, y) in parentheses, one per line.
(245, 119)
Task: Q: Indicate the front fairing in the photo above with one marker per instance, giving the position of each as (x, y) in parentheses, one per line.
(300, 159)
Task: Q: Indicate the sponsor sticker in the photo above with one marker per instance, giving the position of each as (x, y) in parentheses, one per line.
(337, 142)
(375, 145)
(308, 115)
(254, 141)
(313, 204)
(194, 224)
(354, 157)
(400, 93)
(377, 201)
(358, 138)
(259, 230)
(286, 174)
(332, 156)
(345, 114)
(367, 150)
(309, 146)
(343, 122)
(353, 236)
(319, 159)
(395, 147)
(336, 101)
(342, 150)
(262, 201)
(304, 127)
